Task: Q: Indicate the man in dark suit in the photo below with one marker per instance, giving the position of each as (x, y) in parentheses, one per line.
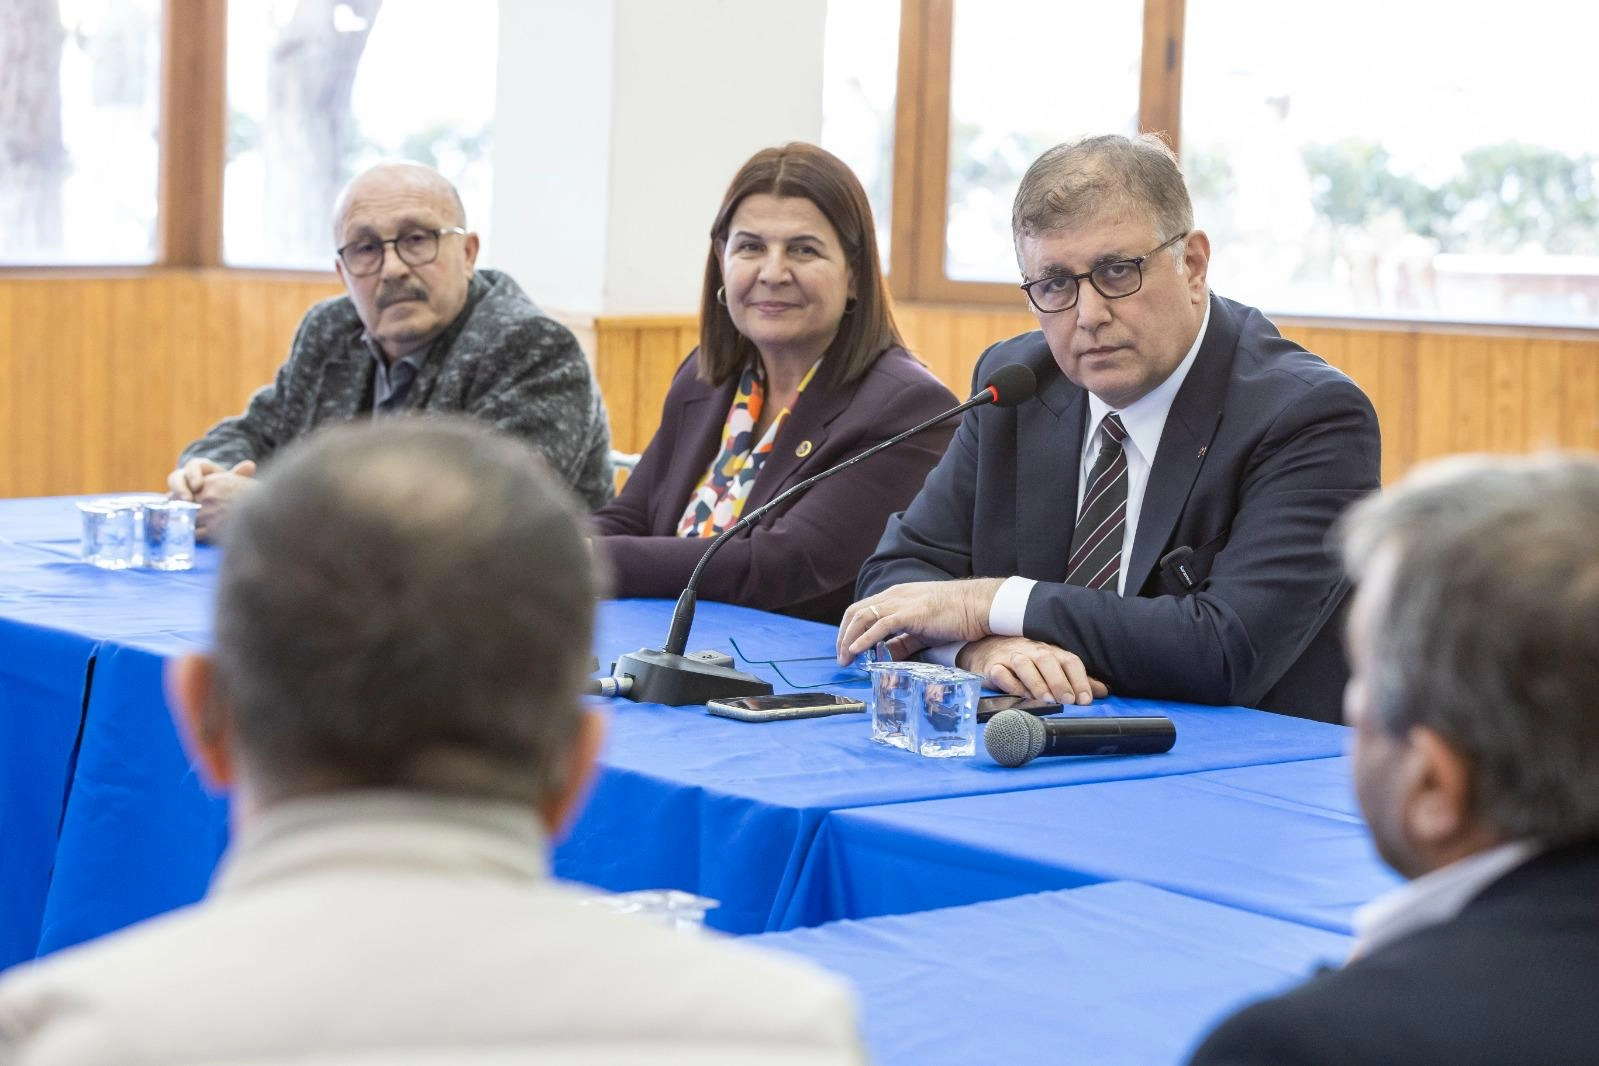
(1156, 522)
(1473, 642)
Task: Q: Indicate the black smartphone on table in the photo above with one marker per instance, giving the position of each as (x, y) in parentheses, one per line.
(784, 705)
(989, 706)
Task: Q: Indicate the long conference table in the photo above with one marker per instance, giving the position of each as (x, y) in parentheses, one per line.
(1220, 871)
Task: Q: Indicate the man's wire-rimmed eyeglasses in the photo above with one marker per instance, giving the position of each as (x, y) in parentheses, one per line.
(1055, 293)
(417, 247)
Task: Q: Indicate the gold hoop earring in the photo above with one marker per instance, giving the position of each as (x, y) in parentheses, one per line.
(721, 295)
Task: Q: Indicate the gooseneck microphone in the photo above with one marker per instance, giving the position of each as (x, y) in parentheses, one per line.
(666, 675)
(1015, 738)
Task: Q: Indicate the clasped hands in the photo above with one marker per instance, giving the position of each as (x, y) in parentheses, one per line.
(923, 614)
(212, 486)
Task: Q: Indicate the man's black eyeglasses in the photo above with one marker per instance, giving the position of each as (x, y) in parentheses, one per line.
(1058, 292)
(418, 247)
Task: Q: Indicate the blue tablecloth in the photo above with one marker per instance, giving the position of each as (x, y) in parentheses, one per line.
(1277, 840)
(1115, 973)
(729, 809)
(683, 800)
(56, 615)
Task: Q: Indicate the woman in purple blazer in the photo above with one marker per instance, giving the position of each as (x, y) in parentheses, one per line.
(799, 367)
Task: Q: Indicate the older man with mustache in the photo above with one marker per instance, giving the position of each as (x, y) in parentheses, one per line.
(420, 329)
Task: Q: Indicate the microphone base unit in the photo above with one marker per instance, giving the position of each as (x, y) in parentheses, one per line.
(678, 680)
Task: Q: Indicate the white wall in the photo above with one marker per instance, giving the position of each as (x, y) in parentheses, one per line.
(618, 125)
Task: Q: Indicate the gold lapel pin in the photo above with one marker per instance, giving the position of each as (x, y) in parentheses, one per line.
(804, 449)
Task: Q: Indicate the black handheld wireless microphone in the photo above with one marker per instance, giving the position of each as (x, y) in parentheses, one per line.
(667, 675)
(1015, 738)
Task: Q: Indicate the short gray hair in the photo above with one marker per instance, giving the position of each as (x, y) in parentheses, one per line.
(1489, 633)
(408, 605)
(1073, 182)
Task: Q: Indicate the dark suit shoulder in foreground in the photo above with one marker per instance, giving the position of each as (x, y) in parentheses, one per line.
(1510, 980)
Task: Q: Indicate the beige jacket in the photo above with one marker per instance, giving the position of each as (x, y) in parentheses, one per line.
(383, 928)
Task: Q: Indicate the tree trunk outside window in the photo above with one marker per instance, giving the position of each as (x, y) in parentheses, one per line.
(33, 157)
(309, 131)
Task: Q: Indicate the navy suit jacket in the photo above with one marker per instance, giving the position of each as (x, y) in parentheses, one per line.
(1509, 980)
(1265, 447)
(802, 558)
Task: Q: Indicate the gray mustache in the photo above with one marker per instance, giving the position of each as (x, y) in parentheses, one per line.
(392, 295)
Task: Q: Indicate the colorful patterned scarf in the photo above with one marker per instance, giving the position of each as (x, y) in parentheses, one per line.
(719, 499)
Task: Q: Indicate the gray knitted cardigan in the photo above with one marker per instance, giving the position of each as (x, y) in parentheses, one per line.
(501, 360)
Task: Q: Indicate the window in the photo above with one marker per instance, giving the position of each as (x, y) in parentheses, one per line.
(1007, 107)
(320, 89)
(78, 146)
(858, 74)
(994, 84)
(1409, 172)
(1364, 161)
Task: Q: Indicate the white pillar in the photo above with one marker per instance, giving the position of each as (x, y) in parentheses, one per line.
(619, 123)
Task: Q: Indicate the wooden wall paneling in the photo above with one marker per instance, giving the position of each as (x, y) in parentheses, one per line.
(1580, 421)
(1397, 415)
(616, 369)
(141, 354)
(69, 394)
(1469, 426)
(972, 335)
(252, 338)
(1508, 429)
(1544, 394)
(659, 353)
(221, 355)
(8, 393)
(30, 354)
(934, 344)
(188, 410)
(1435, 385)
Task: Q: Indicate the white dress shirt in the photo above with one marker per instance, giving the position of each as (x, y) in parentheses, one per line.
(1145, 420)
(1434, 898)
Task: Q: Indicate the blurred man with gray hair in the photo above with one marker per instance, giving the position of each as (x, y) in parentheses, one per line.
(403, 626)
(1474, 694)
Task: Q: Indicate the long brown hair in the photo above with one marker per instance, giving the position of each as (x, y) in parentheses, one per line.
(867, 330)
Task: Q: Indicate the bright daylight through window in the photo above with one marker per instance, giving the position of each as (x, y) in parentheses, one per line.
(1392, 160)
(320, 89)
(80, 92)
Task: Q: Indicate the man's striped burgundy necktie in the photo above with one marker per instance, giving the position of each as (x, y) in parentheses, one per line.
(1097, 542)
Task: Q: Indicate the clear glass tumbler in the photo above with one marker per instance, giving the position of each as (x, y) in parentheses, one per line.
(169, 534)
(947, 724)
(109, 540)
(895, 702)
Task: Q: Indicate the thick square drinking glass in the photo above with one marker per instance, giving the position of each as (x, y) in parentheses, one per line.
(169, 534)
(947, 725)
(109, 535)
(895, 702)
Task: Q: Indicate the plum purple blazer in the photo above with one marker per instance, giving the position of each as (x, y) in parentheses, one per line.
(802, 559)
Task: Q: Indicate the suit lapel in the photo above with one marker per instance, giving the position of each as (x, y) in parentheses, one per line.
(1195, 413)
(803, 431)
(1049, 445)
(697, 436)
